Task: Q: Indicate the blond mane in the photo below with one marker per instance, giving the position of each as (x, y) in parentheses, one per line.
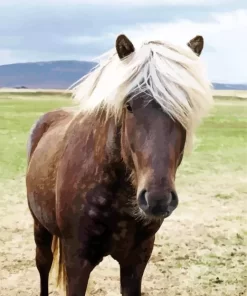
(172, 75)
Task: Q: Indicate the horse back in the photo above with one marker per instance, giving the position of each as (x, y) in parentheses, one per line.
(44, 150)
(46, 122)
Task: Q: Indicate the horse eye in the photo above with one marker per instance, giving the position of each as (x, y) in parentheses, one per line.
(128, 107)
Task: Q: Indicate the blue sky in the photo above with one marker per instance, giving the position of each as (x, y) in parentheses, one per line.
(83, 29)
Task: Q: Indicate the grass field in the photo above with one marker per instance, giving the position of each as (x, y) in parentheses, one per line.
(201, 250)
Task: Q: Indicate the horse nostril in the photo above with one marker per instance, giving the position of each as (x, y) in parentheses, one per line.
(157, 203)
(174, 196)
(143, 199)
(174, 200)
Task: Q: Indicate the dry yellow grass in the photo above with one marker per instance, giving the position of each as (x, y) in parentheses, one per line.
(34, 90)
(199, 251)
(230, 93)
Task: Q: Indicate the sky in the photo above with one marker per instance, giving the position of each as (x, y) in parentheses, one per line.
(45, 30)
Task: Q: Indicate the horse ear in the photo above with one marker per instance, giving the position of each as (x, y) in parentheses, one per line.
(196, 44)
(124, 46)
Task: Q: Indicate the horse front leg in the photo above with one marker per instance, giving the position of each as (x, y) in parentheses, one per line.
(132, 268)
(78, 269)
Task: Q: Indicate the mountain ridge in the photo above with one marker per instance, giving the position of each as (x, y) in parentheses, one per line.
(61, 74)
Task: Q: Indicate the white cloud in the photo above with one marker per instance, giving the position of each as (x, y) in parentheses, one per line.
(8, 56)
(84, 40)
(120, 2)
(225, 33)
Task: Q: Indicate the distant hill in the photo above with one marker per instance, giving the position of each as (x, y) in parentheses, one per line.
(225, 86)
(59, 75)
(55, 74)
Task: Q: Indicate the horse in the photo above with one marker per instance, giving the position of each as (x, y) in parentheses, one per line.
(100, 178)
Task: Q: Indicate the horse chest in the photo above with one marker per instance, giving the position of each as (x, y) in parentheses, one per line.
(128, 234)
(122, 231)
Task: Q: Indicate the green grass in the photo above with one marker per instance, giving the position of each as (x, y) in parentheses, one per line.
(16, 118)
(221, 139)
(34, 94)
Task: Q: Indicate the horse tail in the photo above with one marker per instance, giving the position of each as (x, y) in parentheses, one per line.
(58, 264)
(59, 270)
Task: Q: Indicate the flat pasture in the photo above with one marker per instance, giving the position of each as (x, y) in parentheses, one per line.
(201, 250)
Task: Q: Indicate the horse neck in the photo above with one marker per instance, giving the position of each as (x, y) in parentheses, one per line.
(106, 132)
(103, 139)
(121, 173)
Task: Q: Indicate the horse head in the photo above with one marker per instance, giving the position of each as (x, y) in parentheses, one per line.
(152, 142)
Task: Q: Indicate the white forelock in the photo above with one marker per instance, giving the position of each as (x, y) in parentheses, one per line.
(172, 75)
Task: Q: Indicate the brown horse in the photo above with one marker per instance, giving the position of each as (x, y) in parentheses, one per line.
(101, 180)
